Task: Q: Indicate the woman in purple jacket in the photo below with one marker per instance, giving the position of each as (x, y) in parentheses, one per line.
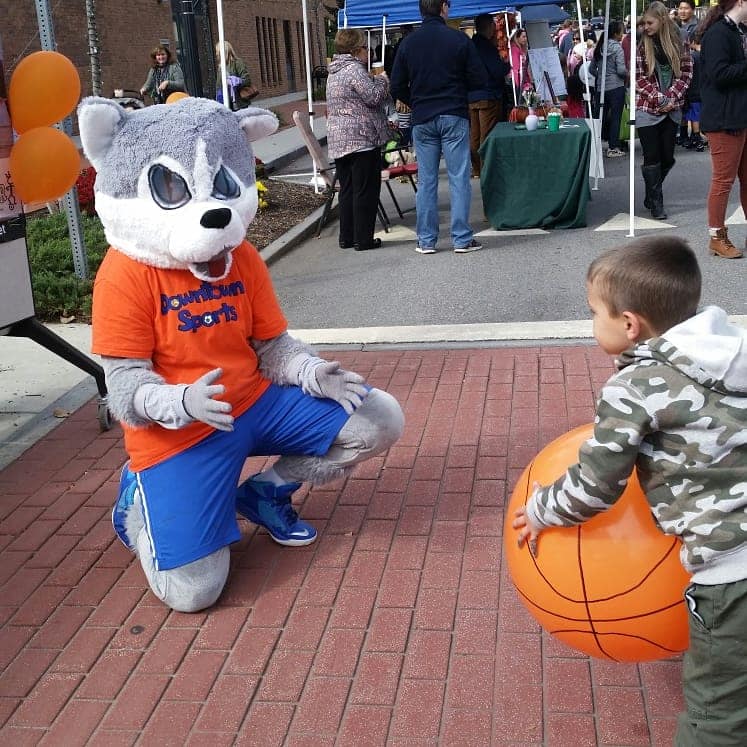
(356, 130)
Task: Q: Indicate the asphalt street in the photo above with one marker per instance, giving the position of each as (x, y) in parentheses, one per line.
(532, 276)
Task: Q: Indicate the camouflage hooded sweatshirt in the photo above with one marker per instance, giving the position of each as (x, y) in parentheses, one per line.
(677, 410)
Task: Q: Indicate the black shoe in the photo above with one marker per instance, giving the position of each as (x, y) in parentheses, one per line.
(652, 177)
(697, 143)
(375, 244)
(346, 245)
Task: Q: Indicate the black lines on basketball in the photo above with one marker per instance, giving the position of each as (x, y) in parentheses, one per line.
(599, 620)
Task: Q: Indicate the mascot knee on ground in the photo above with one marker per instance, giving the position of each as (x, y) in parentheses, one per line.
(200, 369)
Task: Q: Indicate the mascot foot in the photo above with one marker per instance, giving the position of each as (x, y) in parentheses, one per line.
(125, 522)
(270, 506)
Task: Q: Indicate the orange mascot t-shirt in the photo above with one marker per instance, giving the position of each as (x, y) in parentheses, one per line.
(186, 327)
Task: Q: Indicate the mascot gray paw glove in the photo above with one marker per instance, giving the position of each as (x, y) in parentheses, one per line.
(199, 403)
(327, 379)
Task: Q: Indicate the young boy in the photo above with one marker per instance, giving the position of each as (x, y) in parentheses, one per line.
(677, 410)
(692, 99)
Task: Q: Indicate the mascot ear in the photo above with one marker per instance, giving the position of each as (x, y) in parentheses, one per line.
(256, 123)
(99, 121)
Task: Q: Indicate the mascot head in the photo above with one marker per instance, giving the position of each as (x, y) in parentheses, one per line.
(175, 184)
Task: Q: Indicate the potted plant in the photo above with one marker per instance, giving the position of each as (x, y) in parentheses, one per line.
(532, 104)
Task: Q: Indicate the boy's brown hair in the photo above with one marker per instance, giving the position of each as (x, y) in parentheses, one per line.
(348, 40)
(655, 277)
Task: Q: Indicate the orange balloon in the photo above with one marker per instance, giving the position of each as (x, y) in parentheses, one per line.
(44, 88)
(611, 587)
(44, 164)
(173, 97)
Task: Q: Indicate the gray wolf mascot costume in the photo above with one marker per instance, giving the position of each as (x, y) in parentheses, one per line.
(200, 369)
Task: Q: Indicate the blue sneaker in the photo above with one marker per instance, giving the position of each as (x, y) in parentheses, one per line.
(270, 506)
(125, 501)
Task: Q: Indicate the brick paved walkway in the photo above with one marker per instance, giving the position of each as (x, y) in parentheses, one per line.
(399, 626)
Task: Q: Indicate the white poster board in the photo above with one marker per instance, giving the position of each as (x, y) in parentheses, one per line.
(547, 59)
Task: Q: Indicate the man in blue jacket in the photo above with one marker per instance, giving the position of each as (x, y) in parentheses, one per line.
(435, 69)
(486, 104)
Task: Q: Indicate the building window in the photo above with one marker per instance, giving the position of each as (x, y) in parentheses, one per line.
(301, 53)
(269, 51)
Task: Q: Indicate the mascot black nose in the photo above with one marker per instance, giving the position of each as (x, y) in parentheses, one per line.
(218, 218)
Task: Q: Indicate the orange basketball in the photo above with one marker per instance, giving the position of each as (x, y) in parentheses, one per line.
(611, 587)
(176, 96)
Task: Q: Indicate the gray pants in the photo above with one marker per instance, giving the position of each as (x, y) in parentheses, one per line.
(371, 429)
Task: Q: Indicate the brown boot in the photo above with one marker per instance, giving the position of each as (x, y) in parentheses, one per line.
(722, 246)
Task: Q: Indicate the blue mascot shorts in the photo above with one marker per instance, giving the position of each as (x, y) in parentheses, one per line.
(189, 500)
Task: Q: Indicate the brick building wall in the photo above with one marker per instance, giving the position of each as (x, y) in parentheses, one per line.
(267, 34)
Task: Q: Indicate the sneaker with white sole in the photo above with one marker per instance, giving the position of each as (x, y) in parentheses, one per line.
(615, 153)
(270, 506)
(425, 249)
(473, 246)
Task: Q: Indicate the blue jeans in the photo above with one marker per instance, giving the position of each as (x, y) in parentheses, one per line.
(449, 134)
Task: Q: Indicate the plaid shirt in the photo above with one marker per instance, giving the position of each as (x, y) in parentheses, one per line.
(649, 97)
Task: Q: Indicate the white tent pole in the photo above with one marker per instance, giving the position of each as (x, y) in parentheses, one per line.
(604, 82)
(510, 57)
(604, 58)
(383, 37)
(631, 112)
(596, 136)
(307, 56)
(583, 41)
(221, 41)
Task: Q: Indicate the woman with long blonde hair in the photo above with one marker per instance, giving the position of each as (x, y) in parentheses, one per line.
(664, 69)
(240, 88)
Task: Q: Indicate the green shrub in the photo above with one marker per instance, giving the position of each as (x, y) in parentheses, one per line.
(57, 290)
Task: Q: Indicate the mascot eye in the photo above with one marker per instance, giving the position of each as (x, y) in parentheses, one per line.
(224, 186)
(169, 190)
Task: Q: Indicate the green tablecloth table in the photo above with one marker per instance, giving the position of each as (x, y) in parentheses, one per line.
(536, 179)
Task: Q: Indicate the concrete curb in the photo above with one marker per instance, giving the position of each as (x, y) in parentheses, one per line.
(291, 239)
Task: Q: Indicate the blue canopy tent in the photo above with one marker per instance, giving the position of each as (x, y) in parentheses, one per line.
(367, 14)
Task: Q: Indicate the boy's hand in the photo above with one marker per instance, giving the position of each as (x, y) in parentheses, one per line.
(528, 530)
